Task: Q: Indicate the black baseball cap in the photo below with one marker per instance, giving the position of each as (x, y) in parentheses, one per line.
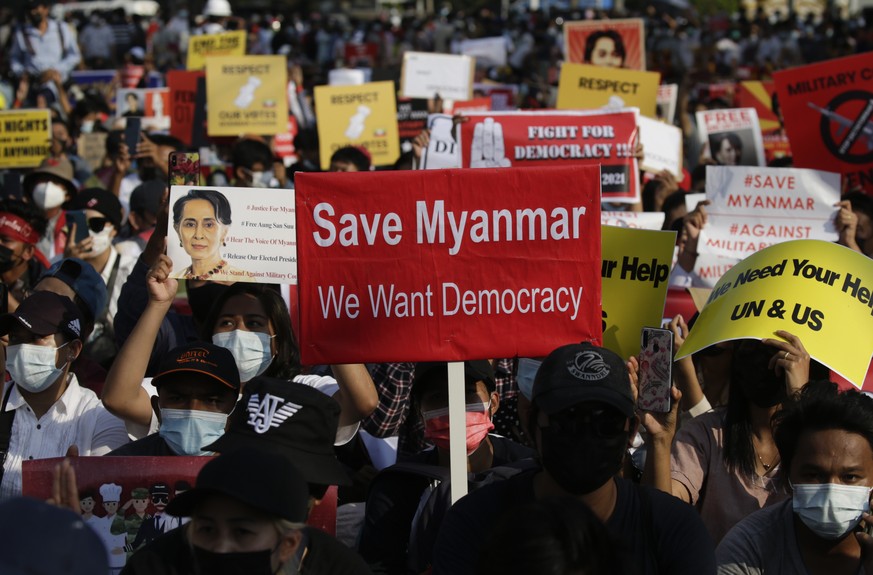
(291, 418)
(582, 372)
(265, 480)
(201, 358)
(45, 313)
(99, 200)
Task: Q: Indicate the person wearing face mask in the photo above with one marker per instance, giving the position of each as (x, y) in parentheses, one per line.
(63, 146)
(43, 405)
(725, 462)
(583, 420)
(254, 165)
(398, 493)
(21, 262)
(825, 440)
(197, 389)
(48, 187)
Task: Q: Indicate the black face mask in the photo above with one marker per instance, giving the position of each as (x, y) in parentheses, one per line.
(35, 18)
(582, 457)
(7, 259)
(251, 563)
(749, 370)
(201, 299)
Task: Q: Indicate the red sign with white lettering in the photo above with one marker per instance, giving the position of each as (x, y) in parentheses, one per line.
(447, 265)
(828, 111)
(518, 139)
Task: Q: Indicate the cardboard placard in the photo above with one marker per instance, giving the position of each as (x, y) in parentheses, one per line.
(364, 116)
(459, 270)
(425, 75)
(486, 51)
(150, 104)
(733, 136)
(233, 234)
(25, 136)
(585, 87)
(614, 43)
(503, 139)
(210, 45)
(662, 147)
(92, 148)
(246, 95)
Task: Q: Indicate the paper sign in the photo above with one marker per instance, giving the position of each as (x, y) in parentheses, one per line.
(828, 111)
(752, 208)
(283, 144)
(733, 136)
(25, 136)
(486, 51)
(210, 45)
(635, 273)
(613, 43)
(668, 96)
(92, 148)
(759, 95)
(150, 104)
(346, 77)
(503, 139)
(183, 99)
(637, 220)
(502, 96)
(233, 234)
(442, 150)
(462, 263)
(246, 95)
(709, 267)
(411, 120)
(662, 146)
(425, 75)
(811, 288)
(585, 87)
(364, 115)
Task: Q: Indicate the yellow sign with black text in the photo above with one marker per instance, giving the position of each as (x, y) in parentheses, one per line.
(211, 45)
(25, 136)
(583, 87)
(364, 115)
(246, 95)
(635, 272)
(819, 291)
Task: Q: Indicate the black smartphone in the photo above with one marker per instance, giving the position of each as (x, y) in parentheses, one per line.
(132, 130)
(656, 373)
(184, 169)
(77, 217)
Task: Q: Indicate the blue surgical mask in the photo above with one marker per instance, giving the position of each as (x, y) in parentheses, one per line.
(32, 367)
(527, 372)
(830, 510)
(187, 431)
(250, 349)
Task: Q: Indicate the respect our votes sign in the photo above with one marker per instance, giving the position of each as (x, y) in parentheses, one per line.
(447, 265)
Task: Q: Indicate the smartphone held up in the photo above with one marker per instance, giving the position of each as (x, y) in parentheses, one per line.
(656, 363)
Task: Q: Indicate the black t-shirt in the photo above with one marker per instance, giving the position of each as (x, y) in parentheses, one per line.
(152, 444)
(673, 528)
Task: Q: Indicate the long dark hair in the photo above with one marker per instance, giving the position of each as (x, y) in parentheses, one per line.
(286, 364)
(739, 451)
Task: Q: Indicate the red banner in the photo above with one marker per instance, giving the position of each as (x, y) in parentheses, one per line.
(759, 95)
(183, 92)
(503, 139)
(828, 111)
(447, 265)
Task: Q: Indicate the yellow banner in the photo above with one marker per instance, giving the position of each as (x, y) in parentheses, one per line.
(246, 95)
(819, 291)
(582, 86)
(635, 273)
(224, 44)
(363, 115)
(25, 136)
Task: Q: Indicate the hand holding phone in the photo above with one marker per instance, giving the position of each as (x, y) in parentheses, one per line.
(77, 218)
(184, 169)
(132, 130)
(656, 362)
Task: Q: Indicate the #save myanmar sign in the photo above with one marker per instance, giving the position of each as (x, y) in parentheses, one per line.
(447, 265)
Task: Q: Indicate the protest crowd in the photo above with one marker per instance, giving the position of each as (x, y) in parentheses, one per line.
(177, 380)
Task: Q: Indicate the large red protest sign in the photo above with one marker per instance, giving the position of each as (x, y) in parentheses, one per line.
(447, 264)
(759, 95)
(557, 138)
(183, 98)
(828, 111)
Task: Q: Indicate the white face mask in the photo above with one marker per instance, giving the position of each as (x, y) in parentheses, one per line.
(48, 195)
(264, 180)
(32, 367)
(100, 241)
(830, 510)
(250, 349)
(87, 127)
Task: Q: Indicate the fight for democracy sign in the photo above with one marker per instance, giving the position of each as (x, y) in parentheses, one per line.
(447, 265)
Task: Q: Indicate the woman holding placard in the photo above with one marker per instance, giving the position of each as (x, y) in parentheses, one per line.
(201, 218)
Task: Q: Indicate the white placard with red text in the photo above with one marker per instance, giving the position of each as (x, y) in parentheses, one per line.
(752, 208)
(733, 136)
(447, 265)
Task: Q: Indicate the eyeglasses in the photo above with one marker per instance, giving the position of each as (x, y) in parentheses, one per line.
(586, 420)
(96, 225)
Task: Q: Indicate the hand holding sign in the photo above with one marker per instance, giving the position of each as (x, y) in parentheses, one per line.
(488, 150)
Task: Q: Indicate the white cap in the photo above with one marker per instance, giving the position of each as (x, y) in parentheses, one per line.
(110, 492)
(217, 8)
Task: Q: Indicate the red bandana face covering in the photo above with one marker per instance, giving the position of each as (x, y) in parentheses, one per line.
(436, 426)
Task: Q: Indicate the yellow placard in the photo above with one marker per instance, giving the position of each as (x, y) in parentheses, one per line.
(363, 115)
(635, 272)
(210, 45)
(25, 136)
(819, 291)
(246, 95)
(582, 86)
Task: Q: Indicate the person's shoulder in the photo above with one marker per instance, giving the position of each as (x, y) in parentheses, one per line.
(704, 424)
(325, 554)
(168, 554)
(759, 536)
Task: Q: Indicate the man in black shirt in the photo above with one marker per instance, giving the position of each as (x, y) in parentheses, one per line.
(583, 418)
